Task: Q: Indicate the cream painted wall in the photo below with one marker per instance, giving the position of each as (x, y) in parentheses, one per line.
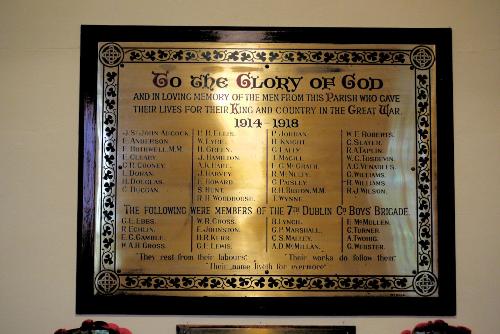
(39, 71)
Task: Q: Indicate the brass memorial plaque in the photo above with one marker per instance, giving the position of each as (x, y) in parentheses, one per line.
(231, 168)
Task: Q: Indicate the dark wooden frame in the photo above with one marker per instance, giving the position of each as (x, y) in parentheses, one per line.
(87, 302)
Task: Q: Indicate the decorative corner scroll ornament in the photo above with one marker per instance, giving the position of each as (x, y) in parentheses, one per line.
(425, 283)
(111, 54)
(107, 282)
(422, 57)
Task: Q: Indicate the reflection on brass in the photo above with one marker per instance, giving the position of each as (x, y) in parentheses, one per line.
(188, 329)
(265, 170)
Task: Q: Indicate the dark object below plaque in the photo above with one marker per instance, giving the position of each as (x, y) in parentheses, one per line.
(95, 327)
(187, 329)
(437, 327)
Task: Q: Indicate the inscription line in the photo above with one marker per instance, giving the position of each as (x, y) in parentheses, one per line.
(192, 229)
(192, 184)
(192, 166)
(267, 167)
(341, 167)
(342, 234)
(267, 238)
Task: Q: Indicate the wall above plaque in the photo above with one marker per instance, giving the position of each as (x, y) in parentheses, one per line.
(308, 171)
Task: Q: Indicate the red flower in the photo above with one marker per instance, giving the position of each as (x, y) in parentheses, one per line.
(119, 329)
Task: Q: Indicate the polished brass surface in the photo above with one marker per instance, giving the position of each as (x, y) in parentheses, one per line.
(197, 329)
(248, 169)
